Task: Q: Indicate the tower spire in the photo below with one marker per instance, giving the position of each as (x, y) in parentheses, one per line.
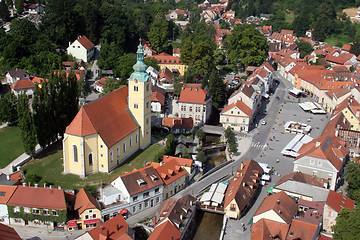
(140, 67)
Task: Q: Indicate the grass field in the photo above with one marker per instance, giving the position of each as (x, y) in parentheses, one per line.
(10, 145)
(338, 40)
(50, 168)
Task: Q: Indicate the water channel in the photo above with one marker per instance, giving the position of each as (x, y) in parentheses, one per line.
(210, 226)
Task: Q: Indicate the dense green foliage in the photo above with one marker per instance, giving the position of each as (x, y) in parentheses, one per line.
(305, 48)
(352, 177)
(347, 224)
(26, 124)
(61, 216)
(200, 156)
(8, 111)
(230, 138)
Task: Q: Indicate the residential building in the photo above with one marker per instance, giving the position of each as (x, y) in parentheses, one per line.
(107, 131)
(15, 74)
(195, 103)
(113, 229)
(48, 204)
(334, 203)
(134, 191)
(99, 85)
(335, 97)
(242, 189)
(302, 230)
(323, 157)
(88, 209)
(34, 8)
(165, 231)
(148, 51)
(173, 176)
(7, 232)
(158, 96)
(171, 62)
(25, 86)
(185, 163)
(268, 230)
(278, 207)
(5, 194)
(264, 73)
(174, 14)
(303, 186)
(249, 94)
(238, 116)
(82, 48)
(178, 125)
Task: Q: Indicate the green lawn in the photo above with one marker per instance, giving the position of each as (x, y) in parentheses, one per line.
(338, 40)
(10, 145)
(50, 169)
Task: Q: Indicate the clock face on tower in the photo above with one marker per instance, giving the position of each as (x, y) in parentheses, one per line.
(135, 80)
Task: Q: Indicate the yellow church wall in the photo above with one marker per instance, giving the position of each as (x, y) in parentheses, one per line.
(70, 165)
(102, 155)
(91, 148)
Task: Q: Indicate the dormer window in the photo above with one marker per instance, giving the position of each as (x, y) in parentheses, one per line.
(154, 178)
(141, 182)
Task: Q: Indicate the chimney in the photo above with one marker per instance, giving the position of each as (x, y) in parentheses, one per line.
(36, 185)
(278, 202)
(154, 221)
(242, 166)
(44, 185)
(50, 186)
(59, 187)
(29, 184)
(317, 144)
(8, 177)
(24, 184)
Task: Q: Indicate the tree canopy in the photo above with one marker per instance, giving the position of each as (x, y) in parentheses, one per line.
(347, 224)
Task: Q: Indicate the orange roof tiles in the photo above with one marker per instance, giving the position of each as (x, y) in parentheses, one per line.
(85, 42)
(301, 230)
(22, 84)
(164, 58)
(240, 105)
(38, 197)
(6, 193)
(346, 47)
(193, 95)
(301, 177)
(117, 124)
(181, 161)
(84, 201)
(280, 203)
(113, 229)
(265, 230)
(165, 231)
(158, 97)
(7, 232)
(337, 201)
(178, 123)
(170, 171)
(101, 82)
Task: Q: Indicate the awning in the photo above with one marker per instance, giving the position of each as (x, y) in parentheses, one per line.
(72, 223)
(124, 211)
(265, 177)
(92, 221)
(271, 188)
(265, 95)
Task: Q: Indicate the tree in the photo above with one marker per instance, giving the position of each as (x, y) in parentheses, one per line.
(8, 109)
(170, 144)
(200, 156)
(19, 5)
(159, 35)
(352, 177)
(201, 135)
(150, 61)
(110, 85)
(247, 45)
(84, 88)
(26, 125)
(347, 224)
(230, 137)
(185, 153)
(4, 11)
(124, 67)
(355, 48)
(216, 89)
(304, 47)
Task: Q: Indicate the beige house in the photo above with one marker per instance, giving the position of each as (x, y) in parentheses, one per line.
(237, 115)
(334, 98)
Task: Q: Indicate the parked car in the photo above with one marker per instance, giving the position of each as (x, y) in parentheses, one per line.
(263, 122)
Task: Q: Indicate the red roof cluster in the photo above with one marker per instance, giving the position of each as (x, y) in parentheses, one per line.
(85, 42)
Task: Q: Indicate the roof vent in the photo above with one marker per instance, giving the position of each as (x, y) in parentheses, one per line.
(278, 202)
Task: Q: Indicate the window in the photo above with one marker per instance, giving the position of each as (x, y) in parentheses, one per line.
(190, 109)
(86, 216)
(118, 151)
(94, 215)
(312, 161)
(157, 190)
(136, 88)
(244, 120)
(135, 199)
(36, 211)
(101, 146)
(147, 105)
(319, 163)
(124, 146)
(147, 121)
(90, 159)
(111, 156)
(232, 207)
(134, 209)
(55, 213)
(101, 155)
(227, 119)
(26, 210)
(131, 141)
(232, 112)
(140, 206)
(90, 211)
(45, 212)
(146, 203)
(157, 199)
(145, 194)
(183, 108)
(137, 137)
(16, 209)
(136, 106)
(75, 153)
(147, 87)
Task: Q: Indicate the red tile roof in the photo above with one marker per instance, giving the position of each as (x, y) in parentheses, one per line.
(101, 82)
(170, 171)
(107, 116)
(287, 32)
(113, 229)
(7, 193)
(164, 58)
(240, 105)
(181, 161)
(301, 230)
(337, 201)
(301, 177)
(165, 231)
(193, 95)
(85, 42)
(84, 201)
(244, 184)
(7, 233)
(178, 123)
(346, 47)
(22, 84)
(158, 97)
(281, 204)
(166, 73)
(38, 198)
(265, 230)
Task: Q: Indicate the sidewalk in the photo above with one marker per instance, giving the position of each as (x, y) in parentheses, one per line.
(26, 232)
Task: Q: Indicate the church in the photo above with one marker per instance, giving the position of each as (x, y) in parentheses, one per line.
(107, 131)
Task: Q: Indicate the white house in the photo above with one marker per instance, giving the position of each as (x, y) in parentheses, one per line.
(15, 74)
(99, 85)
(23, 86)
(82, 48)
(5, 193)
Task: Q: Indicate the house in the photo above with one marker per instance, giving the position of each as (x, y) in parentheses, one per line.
(34, 8)
(264, 73)
(88, 210)
(107, 131)
(148, 51)
(165, 76)
(242, 188)
(25, 86)
(323, 157)
(5, 194)
(311, 212)
(176, 52)
(249, 94)
(334, 98)
(303, 231)
(176, 211)
(7, 232)
(171, 62)
(268, 230)
(113, 229)
(47, 204)
(175, 14)
(185, 163)
(238, 116)
(278, 207)
(15, 74)
(165, 231)
(334, 203)
(195, 103)
(134, 191)
(99, 85)
(173, 176)
(154, 74)
(178, 125)
(82, 48)
(303, 186)
(158, 96)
